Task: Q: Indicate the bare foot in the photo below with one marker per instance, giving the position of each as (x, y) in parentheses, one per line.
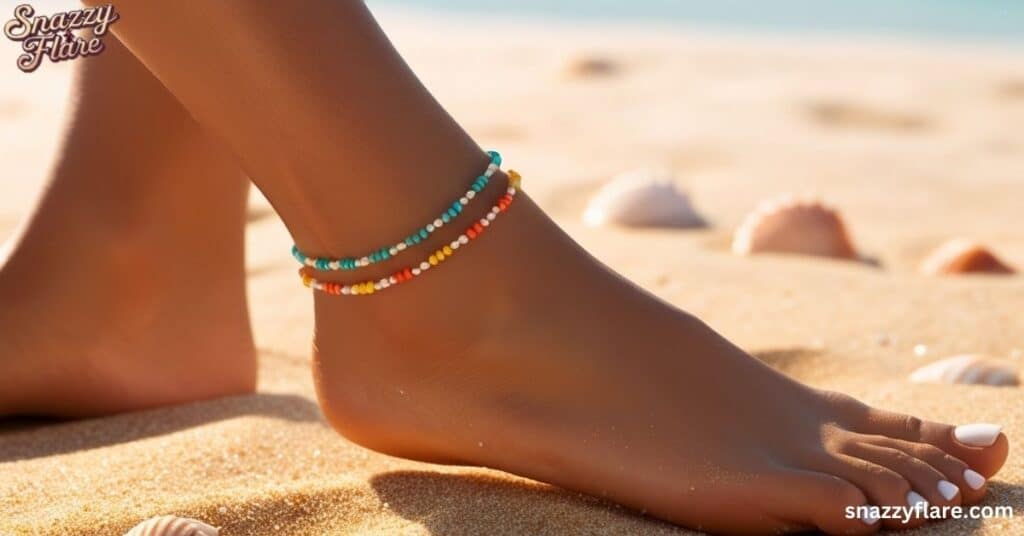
(116, 326)
(530, 357)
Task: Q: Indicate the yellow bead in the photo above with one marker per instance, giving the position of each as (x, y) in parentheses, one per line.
(369, 288)
(307, 281)
(447, 251)
(514, 178)
(433, 260)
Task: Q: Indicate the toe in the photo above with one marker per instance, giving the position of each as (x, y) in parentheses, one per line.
(882, 486)
(970, 484)
(982, 446)
(826, 502)
(925, 480)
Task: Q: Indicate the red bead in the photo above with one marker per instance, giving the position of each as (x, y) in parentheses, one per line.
(478, 228)
(407, 273)
(471, 233)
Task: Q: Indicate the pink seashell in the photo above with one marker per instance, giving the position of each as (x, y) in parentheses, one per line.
(791, 225)
(172, 526)
(962, 256)
(971, 369)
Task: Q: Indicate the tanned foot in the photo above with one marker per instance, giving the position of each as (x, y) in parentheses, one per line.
(117, 328)
(525, 354)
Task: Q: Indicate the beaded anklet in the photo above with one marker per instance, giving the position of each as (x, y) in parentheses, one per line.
(439, 256)
(421, 234)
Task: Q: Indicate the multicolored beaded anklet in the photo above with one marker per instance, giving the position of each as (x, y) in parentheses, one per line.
(352, 263)
(439, 256)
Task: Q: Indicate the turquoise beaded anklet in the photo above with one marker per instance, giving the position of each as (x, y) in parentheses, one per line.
(421, 234)
(409, 273)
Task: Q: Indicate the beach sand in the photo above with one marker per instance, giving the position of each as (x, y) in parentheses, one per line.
(914, 143)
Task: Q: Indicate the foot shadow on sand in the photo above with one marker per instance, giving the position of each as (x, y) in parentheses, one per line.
(27, 438)
(447, 504)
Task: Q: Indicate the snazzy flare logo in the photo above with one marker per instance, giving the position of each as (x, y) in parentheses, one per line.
(51, 36)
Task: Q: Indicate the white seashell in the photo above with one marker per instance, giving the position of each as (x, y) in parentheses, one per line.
(172, 526)
(789, 224)
(962, 256)
(641, 198)
(969, 369)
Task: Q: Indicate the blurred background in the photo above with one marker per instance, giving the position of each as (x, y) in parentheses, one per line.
(943, 19)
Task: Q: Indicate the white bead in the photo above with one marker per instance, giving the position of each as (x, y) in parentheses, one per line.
(454, 245)
(463, 239)
(376, 286)
(463, 201)
(491, 168)
(430, 227)
(438, 223)
(492, 216)
(401, 246)
(511, 190)
(471, 194)
(334, 265)
(485, 223)
(495, 210)
(424, 265)
(346, 290)
(310, 262)
(416, 271)
(392, 280)
(365, 261)
(393, 250)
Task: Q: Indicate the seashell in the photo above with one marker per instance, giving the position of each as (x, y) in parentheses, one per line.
(791, 225)
(971, 369)
(641, 198)
(172, 526)
(962, 256)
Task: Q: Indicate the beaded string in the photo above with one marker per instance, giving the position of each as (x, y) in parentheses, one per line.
(406, 274)
(380, 255)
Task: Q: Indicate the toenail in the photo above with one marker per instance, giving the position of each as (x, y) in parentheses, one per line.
(868, 517)
(978, 434)
(916, 501)
(948, 489)
(973, 479)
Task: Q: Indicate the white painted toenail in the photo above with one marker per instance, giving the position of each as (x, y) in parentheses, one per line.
(948, 489)
(977, 435)
(974, 480)
(868, 518)
(916, 501)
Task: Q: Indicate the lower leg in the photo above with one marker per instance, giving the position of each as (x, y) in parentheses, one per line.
(126, 289)
(523, 353)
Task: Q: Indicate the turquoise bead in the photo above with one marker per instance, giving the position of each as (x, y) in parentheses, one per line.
(424, 234)
(495, 157)
(451, 213)
(321, 264)
(446, 217)
(385, 254)
(409, 242)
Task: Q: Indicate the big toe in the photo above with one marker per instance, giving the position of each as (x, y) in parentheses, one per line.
(982, 446)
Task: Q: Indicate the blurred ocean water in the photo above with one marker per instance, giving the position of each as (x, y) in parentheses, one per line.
(989, 20)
